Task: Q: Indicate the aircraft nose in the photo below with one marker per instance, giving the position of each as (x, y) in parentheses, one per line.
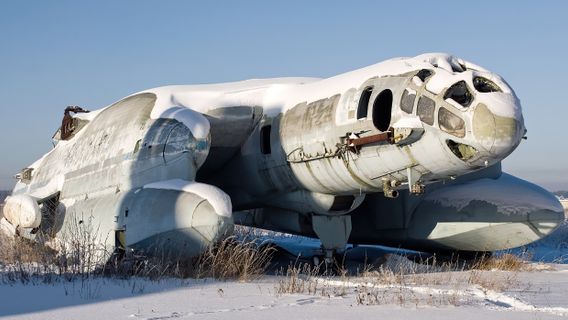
(497, 135)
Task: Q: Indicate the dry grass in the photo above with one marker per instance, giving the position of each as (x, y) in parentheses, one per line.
(299, 279)
(231, 259)
(305, 278)
(79, 256)
(398, 280)
(20, 250)
(505, 262)
(83, 256)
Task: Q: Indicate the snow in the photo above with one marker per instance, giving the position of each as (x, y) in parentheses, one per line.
(277, 95)
(442, 60)
(218, 199)
(503, 104)
(137, 298)
(498, 102)
(54, 185)
(195, 121)
(88, 115)
(433, 294)
(408, 122)
(474, 292)
(22, 210)
(202, 98)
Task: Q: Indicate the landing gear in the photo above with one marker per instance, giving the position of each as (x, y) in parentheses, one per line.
(333, 231)
(415, 186)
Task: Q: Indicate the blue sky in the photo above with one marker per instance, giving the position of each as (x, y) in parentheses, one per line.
(59, 53)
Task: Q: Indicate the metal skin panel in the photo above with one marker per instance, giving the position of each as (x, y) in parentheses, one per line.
(22, 211)
(102, 170)
(172, 223)
(289, 149)
(471, 213)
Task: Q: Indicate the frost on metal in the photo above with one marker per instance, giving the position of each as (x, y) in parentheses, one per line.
(220, 201)
(308, 156)
(194, 120)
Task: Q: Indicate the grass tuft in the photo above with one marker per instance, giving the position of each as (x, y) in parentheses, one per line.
(231, 259)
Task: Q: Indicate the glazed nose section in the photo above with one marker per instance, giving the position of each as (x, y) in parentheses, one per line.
(497, 135)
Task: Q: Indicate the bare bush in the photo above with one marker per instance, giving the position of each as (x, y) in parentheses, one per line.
(79, 255)
(81, 250)
(82, 254)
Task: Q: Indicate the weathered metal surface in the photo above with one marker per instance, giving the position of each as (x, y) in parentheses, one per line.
(288, 149)
(470, 214)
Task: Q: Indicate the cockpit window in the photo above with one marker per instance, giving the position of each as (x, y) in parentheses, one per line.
(485, 85)
(363, 106)
(451, 123)
(407, 101)
(459, 93)
(424, 74)
(425, 110)
(457, 67)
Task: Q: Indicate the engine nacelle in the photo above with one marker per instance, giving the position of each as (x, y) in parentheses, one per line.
(22, 211)
(175, 223)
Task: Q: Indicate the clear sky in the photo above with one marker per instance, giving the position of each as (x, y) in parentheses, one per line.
(59, 53)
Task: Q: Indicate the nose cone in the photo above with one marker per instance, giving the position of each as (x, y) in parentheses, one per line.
(497, 135)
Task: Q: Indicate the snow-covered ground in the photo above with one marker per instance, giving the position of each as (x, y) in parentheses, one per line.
(535, 295)
(424, 293)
